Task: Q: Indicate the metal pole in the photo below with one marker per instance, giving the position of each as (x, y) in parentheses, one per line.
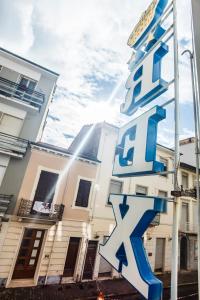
(176, 206)
(196, 125)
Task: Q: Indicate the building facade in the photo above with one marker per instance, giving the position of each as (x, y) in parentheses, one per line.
(26, 90)
(63, 213)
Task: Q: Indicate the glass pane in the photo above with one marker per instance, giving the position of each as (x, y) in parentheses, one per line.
(34, 253)
(23, 81)
(23, 252)
(31, 85)
(39, 234)
(36, 244)
(26, 243)
(21, 262)
(32, 262)
(28, 232)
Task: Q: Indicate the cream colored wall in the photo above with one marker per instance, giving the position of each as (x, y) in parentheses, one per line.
(66, 187)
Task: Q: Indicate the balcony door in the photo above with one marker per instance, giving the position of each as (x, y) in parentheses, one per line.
(28, 254)
(45, 191)
(26, 85)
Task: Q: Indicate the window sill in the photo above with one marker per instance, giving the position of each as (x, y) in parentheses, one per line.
(80, 208)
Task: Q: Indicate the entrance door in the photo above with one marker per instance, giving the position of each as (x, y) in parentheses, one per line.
(28, 254)
(90, 260)
(183, 253)
(160, 255)
(72, 255)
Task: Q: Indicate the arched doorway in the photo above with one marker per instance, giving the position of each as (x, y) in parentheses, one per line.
(183, 253)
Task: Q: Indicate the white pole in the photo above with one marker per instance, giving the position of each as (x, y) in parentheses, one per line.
(197, 142)
(196, 125)
(176, 206)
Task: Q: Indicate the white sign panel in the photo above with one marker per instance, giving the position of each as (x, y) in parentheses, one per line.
(136, 149)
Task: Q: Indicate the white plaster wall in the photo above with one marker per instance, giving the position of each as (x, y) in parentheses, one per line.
(188, 151)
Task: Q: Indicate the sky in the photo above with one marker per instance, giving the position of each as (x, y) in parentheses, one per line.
(86, 43)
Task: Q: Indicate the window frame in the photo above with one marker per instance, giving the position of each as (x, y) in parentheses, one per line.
(36, 181)
(187, 174)
(74, 206)
(162, 191)
(108, 193)
(28, 78)
(143, 186)
(167, 165)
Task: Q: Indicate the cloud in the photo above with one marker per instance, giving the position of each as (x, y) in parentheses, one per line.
(16, 31)
(85, 41)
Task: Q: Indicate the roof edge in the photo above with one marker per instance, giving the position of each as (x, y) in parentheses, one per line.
(29, 61)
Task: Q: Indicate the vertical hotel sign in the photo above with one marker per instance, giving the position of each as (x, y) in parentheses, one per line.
(136, 150)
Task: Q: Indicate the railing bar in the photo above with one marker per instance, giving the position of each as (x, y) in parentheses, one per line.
(168, 102)
(13, 145)
(23, 93)
(12, 151)
(11, 83)
(13, 136)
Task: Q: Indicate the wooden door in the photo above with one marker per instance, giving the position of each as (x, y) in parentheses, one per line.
(183, 253)
(160, 255)
(28, 254)
(72, 255)
(90, 260)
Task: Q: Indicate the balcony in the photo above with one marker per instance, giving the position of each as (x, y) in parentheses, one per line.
(52, 213)
(21, 93)
(4, 204)
(187, 227)
(12, 145)
(156, 221)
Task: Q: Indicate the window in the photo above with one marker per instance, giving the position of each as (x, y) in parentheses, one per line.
(27, 83)
(162, 194)
(45, 192)
(141, 190)
(25, 86)
(82, 197)
(194, 181)
(115, 188)
(185, 180)
(165, 162)
(184, 217)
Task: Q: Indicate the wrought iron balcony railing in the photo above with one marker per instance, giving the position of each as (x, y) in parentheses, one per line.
(4, 203)
(17, 91)
(53, 212)
(13, 145)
